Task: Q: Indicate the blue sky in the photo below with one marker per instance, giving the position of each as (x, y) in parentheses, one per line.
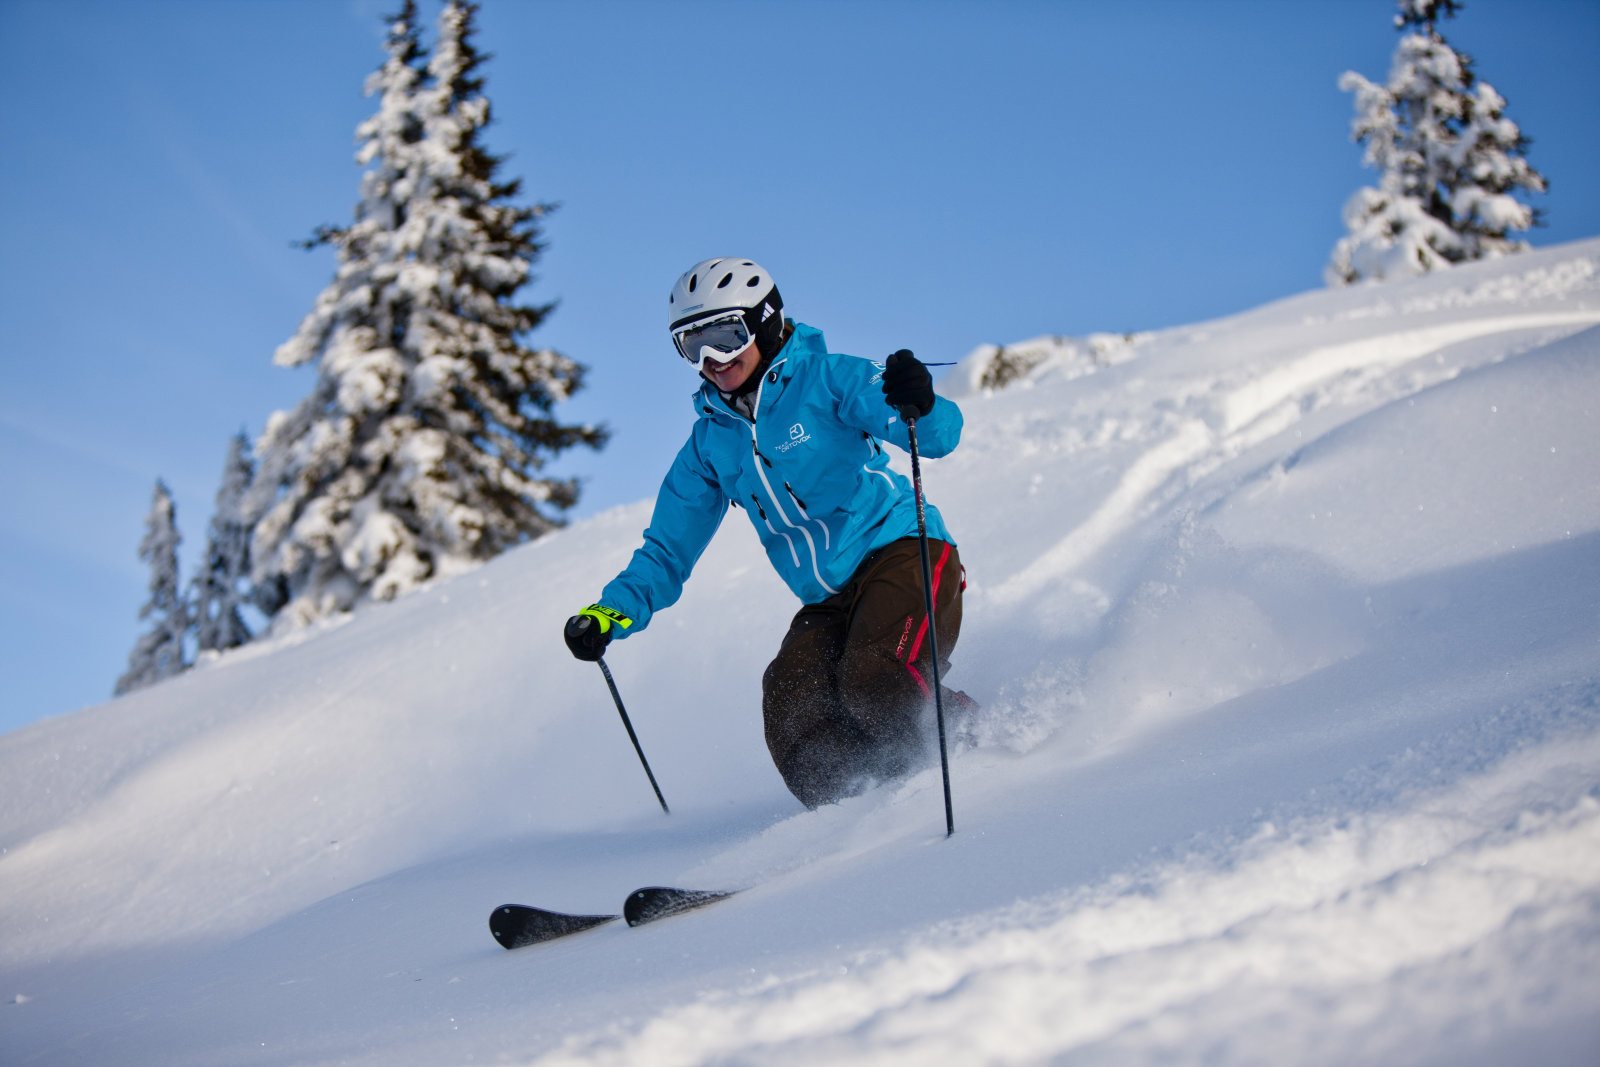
(930, 175)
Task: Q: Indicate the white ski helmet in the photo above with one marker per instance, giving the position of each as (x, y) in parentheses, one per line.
(736, 290)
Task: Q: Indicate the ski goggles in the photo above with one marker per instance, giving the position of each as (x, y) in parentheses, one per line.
(715, 338)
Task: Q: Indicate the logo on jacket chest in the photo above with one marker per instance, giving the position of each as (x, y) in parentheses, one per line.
(797, 436)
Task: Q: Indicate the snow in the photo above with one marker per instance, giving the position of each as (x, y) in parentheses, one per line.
(1286, 632)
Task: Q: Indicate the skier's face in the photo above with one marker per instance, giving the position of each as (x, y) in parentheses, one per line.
(732, 374)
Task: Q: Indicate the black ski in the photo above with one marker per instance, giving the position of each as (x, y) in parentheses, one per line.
(516, 925)
(660, 902)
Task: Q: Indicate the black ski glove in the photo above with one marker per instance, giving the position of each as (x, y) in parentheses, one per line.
(589, 631)
(907, 385)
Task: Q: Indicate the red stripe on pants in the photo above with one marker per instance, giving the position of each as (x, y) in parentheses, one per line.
(922, 631)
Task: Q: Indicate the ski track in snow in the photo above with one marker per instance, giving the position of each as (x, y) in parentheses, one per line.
(1285, 633)
(1243, 409)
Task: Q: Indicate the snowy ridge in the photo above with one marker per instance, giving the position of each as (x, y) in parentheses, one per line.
(1284, 627)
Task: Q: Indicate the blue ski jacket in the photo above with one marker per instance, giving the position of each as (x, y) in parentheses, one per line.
(809, 470)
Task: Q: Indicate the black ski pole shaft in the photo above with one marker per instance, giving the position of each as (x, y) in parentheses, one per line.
(612, 683)
(933, 629)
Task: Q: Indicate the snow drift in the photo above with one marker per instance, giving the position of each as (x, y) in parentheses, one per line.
(1286, 631)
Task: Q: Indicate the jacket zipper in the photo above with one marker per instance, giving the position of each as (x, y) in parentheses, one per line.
(801, 506)
(761, 511)
(761, 464)
(872, 445)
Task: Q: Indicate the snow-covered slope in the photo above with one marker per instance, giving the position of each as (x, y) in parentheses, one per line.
(1287, 632)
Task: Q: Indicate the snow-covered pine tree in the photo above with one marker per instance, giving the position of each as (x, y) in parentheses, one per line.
(158, 653)
(1448, 162)
(219, 590)
(419, 449)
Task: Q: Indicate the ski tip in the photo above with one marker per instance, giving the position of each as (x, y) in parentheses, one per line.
(517, 925)
(659, 902)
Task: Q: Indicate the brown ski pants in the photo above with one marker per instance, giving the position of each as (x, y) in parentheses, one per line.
(844, 699)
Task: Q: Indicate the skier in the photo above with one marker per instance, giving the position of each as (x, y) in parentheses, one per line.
(793, 433)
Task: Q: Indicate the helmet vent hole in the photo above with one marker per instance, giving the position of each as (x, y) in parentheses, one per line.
(753, 282)
(723, 284)
(694, 280)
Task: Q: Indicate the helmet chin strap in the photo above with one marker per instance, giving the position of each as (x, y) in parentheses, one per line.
(751, 383)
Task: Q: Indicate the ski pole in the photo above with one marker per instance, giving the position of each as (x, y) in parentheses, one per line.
(611, 682)
(910, 420)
